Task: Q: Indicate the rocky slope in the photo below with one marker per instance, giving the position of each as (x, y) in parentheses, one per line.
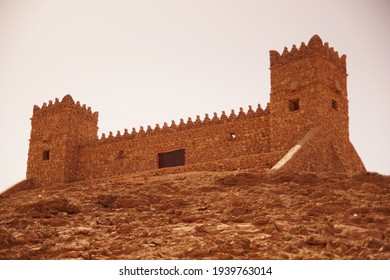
(201, 215)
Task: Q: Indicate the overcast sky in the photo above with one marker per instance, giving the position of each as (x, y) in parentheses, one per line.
(139, 63)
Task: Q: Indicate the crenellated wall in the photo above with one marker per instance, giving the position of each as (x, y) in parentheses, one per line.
(203, 140)
(315, 46)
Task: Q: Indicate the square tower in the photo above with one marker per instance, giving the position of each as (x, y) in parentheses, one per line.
(57, 130)
(308, 89)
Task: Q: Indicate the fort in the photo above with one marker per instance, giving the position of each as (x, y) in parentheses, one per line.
(303, 127)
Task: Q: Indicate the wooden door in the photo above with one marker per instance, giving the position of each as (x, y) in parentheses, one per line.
(170, 159)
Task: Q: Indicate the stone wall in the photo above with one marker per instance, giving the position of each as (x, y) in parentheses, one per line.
(203, 140)
(314, 77)
(57, 130)
(326, 151)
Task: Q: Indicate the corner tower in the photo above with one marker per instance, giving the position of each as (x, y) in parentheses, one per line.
(309, 101)
(57, 130)
(308, 89)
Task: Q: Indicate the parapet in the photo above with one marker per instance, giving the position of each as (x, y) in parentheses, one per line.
(315, 46)
(66, 102)
(182, 125)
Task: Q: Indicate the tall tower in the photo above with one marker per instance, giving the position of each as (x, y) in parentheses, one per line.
(309, 101)
(308, 89)
(57, 130)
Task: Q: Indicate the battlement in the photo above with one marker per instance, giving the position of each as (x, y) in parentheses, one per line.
(182, 125)
(315, 46)
(66, 103)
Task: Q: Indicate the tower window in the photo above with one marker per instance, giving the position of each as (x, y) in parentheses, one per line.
(334, 105)
(46, 155)
(293, 104)
(232, 136)
(121, 154)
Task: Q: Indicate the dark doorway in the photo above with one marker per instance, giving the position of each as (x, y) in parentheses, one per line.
(46, 155)
(170, 159)
(293, 104)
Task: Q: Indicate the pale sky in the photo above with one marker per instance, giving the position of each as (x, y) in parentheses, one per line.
(139, 63)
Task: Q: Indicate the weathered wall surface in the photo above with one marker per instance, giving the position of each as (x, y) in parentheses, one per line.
(326, 151)
(315, 77)
(221, 138)
(57, 130)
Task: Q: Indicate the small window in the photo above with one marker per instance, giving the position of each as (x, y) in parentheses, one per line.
(293, 104)
(334, 105)
(121, 154)
(232, 136)
(46, 155)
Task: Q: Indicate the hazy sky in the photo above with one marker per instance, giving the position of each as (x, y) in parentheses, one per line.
(147, 62)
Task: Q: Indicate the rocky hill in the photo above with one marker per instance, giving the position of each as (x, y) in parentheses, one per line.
(201, 215)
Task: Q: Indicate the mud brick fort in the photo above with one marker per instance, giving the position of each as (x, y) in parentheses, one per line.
(304, 127)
